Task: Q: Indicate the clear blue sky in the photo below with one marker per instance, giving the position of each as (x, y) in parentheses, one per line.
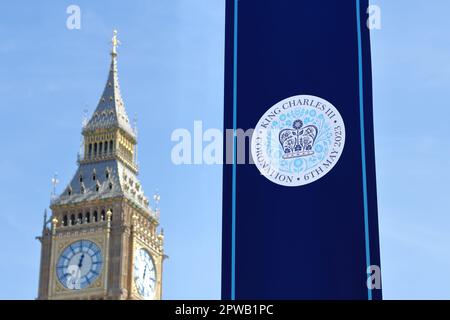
(411, 71)
(171, 73)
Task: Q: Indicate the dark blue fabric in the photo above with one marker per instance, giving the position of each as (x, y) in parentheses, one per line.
(303, 242)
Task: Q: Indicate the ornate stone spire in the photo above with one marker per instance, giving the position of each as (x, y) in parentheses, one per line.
(110, 111)
(108, 166)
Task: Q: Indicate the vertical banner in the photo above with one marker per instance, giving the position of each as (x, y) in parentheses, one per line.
(299, 200)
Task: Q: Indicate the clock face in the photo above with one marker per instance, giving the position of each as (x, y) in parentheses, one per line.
(79, 265)
(144, 273)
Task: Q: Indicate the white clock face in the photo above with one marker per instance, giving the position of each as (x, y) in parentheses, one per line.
(79, 265)
(144, 274)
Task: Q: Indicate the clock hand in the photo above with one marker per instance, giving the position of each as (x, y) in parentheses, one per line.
(80, 263)
(145, 270)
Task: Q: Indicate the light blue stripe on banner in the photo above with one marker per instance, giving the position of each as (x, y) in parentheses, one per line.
(233, 196)
(363, 141)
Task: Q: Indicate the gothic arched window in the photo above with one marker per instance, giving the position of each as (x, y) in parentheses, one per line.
(111, 146)
(80, 218)
(72, 219)
(90, 150)
(88, 217)
(100, 148)
(102, 215)
(95, 216)
(65, 220)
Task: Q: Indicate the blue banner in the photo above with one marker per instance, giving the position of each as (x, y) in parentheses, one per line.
(299, 215)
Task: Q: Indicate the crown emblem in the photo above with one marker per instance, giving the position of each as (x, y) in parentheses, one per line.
(299, 141)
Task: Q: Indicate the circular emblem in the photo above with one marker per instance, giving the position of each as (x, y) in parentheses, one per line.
(298, 140)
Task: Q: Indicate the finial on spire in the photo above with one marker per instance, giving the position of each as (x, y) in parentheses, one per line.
(45, 219)
(115, 42)
(156, 197)
(135, 120)
(85, 120)
(55, 181)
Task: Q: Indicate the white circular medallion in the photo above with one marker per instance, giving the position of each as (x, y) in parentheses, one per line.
(298, 140)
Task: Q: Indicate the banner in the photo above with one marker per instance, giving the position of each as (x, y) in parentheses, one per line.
(299, 203)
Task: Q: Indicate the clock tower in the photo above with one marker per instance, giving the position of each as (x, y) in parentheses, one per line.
(102, 239)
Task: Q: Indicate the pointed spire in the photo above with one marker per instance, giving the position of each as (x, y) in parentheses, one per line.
(45, 219)
(110, 111)
(135, 130)
(135, 121)
(55, 182)
(85, 118)
(84, 122)
(157, 198)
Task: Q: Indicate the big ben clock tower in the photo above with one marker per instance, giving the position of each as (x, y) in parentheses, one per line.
(102, 240)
